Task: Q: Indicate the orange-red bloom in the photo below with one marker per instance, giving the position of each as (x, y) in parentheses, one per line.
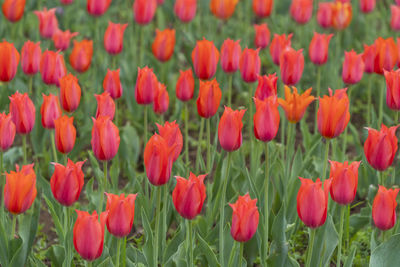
(223, 9)
(230, 55)
(9, 59)
(384, 208)
(263, 8)
(121, 212)
(342, 14)
(81, 55)
(266, 119)
(367, 6)
(164, 44)
(230, 129)
(31, 54)
(185, 10)
(267, 86)
(278, 45)
(209, 98)
(7, 131)
(205, 58)
(189, 195)
(61, 39)
(393, 89)
(105, 105)
(13, 9)
(20, 189)
(144, 10)
(97, 7)
(291, 65)
(22, 112)
(324, 14)
(333, 113)
(50, 110)
(395, 19)
(344, 178)
(67, 182)
(105, 138)
(70, 93)
(112, 84)
(146, 86)
(369, 58)
(114, 38)
(48, 23)
(184, 89)
(301, 10)
(250, 64)
(353, 67)
(65, 134)
(295, 105)
(89, 234)
(52, 67)
(161, 99)
(172, 134)
(245, 218)
(262, 36)
(66, 2)
(319, 47)
(386, 54)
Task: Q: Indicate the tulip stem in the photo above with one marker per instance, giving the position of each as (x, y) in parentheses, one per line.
(105, 169)
(124, 252)
(222, 213)
(190, 241)
(230, 80)
(14, 222)
(289, 147)
(164, 218)
(250, 128)
(68, 253)
(2, 181)
(318, 95)
(310, 247)
(381, 93)
(266, 205)
(24, 147)
(233, 252)
(208, 145)
(53, 146)
(157, 227)
(327, 142)
(30, 82)
(241, 253)
(369, 92)
(186, 135)
(198, 154)
(88, 264)
(65, 159)
(119, 243)
(145, 125)
(140, 45)
(339, 253)
(347, 226)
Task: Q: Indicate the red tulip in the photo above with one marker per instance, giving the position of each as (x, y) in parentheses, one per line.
(381, 147)
(158, 160)
(342, 14)
(81, 55)
(13, 9)
(367, 6)
(22, 112)
(7, 131)
(295, 105)
(312, 202)
(353, 67)
(144, 10)
(333, 113)
(262, 36)
(250, 64)
(245, 218)
(70, 93)
(263, 8)
(386, 54)
(105, 138)
(9, 59)
(114, 38)
(185, 10)
(121, 212)
(62, 39)
(230, 129)
(164, 44)
(20, 189)
(395, 19)
(266, 119)
(384, 208)
(112, 84)
(105, 105)
(172, 134)
(65, 134)
(369, 58)
(66, 2)
(89, 234)
(31, 54)
(189, 195)
(267, 86)
(344, 178)
(278, 45)
(319, 47)
(146, 86)
(324, 14)
(52, 67)
(223, 9)
(50, 110)
(185, 85)
(97, 7)
(161, 99)
(301, 10)
(230, 55)
(291, 65)
(397, 2)
(67, 182)
(393, 89)
(48, 23)
(209, 98)
(205, 58)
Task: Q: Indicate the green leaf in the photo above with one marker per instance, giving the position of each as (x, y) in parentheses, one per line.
(387, 253)
(148, 245)
(3, 246)
(208, 252)
(56, 219)
(350, 258)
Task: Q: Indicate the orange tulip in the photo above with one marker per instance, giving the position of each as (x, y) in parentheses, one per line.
(301, 10)
(52, 67)
(65, 134)
(9, 59)
(22, 112)
(70, 93)
(121, 212)
(266, 119)
(7, 131)
(342, 14)
(105, 105)
(48, 23)
(13, 9)
(81, 55)
(295, 105)
(97, 7)
(319, 47)
(278, 45)
(209, 98)
(185, 85)
(291, 66)
(205, 58)
(245, 218)
(114, 38)
(164, 44)
(230, 55)
(263, 8)
(144, 10)
(324, 14)
(386, 55)
(172, 134)
(62, 39)
(31, 54)
(50, 110)
(393, 89)
(250, 65)
(267, 86)
(230, 129)
(161, 99)
(185, 10)
(262, 36)
(223, 9)
(353, 67)
(112, 84)
(146, 86)
(105, 138)
(384, 208)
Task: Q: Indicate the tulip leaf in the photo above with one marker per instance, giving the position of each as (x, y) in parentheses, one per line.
(56, 254)
(106, 263)
(350, 258)
(134, 254)
(149, 243)
(56, 219)
(180, 257)
(207, 251)
(178, 238)
(387, 253)
(3, 244)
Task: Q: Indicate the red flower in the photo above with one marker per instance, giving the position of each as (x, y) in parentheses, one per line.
(342, 14)
(209, 98)
(395, 19)
(230, 55)
(48, 23)
(65, 134)
(223, 9)
(105, 138)
(386, 54)
(121, 212)
(369, 58)
(105, 105)
(31, 54)
(205, 58)
(22, 112)
(13, 10)
(393, 89)
(144, 10)
(164, 44)
(266, 119)
(161, 99)
(230, 129)
(324, 14)
(263, 8)
(114, 38)
(301, 10)
(9, 59)
(97, 7)
(7, 131)
(146, 86)
(52, 67)
(112, 84)
(367, 6)
(245, 218)
(319, 47)
(267, 86)
(291, 65)
(81, 55)
(172, 134)
(185, 85)
(344, 178)
(353, 67)
(62, 39)
(262, 36)
(70, 93)
(185, 10)
(384, 208)
(250, 65)
(278, 45)
(50, 110)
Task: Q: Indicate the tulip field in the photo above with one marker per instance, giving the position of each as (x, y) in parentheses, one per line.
(199, 133)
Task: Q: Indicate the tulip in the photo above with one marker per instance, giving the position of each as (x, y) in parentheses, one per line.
(319, 47)
(89, 234)
(164, 44)
(291, 65)
(13, 9)
(70, 93)
(161, 99)
(65, 134)
(384, 208)
(22, 112)
(342, 14)
(262, 8)
(62, 39)
(31, 54)
(312, 202)
(97, 7)
(7, 132)
(395, 19)
(353, 67)
(324, 14)
(205, 58)
(184, 89)
(333, 113)
(114, 38)
(266, 119)
(20, 189)
(278, 44)
(230, 129)
(81, 55)
(386, 54)
(172, 134)
(295, 105)
(66, 2)
(344, 177)
(144, 10)
(245, 218)
(262, 36)
(267, 86)
(185, 10)
(189, 195)
(380, 147)
(230, 55)
(48, 23)
(369, 58)
(209, 98)
(223, 9)
(52, 67)
(121, 212)
(301, 10)
(105, 105)
(158, 160)
(397, 2)
(112, 84)
(105, 138)
(67, 182)
(250, 65)
(367, 6)
(393, 89)
(146, 86)
(50, 110)
(9, 59)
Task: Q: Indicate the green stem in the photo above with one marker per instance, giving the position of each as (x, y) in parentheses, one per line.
(310, 247)
(116, 113)
(250, 128)
(289, 147)
(198, 154)
(347, 226)
(318, 95)
(24, 147)
(369, 98)
(119, 243)
(186, 135)
(2, 182)
(339, 253)
(233, 253)
(141, 41)
(65, 159)
(266, 205)
(230, 79)
(241, 253)
(53, 145)
(190, 243)
(157, 227)
(381, 94)
(124, 252)
(30, 82)
(105, 169)
(327, 142)
(14, 222)
(145, 124)
(209, 145)
(164, 218)
(88, 263)
(68, 250)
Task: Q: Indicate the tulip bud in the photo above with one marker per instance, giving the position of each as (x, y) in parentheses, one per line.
(278, 44)
(50, 110)
(121, 212)
(384, 208)
(52, 67)
(13, 10)
(62, 39)
(230, 129)
(146, 86)
(144, 10)
(263, 8)
(342, 14)
(81, 55)
(353, 67)
(344, 178)
(205, 58)
(295, 105)
(319, 47)
(262, 36)
(386, 54)
(65, 134)
(161, 99)
(105, 138)
(31, 54)
(369, 58)
(172, 134)
(223, 9)
(291, 66)
(70, 93)
(267, 86)
(250, 65)
(164, 44)
(393, 89)
(48, 23)
(66, 2)
(97, 7)
(395, 18)
(112, 84)
(324, 14)
(114, 38)
(367, 6)
(230, 55)
(185, 10)
(9, 59)
(22, 112)
(209, 98)
(185, 85)
(266, 119)
(105, 105)
(7, 131)
(301, 10)
(245, 218)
